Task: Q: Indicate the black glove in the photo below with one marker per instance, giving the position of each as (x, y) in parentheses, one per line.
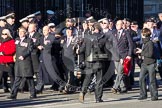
(82, 65)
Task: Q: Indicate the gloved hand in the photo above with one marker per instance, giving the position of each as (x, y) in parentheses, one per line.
(82, 65)
(1, 53)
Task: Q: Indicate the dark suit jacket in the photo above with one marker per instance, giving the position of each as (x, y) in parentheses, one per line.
(35, 53)
(47, 48)
(47, 60)
(68, 55)
(124, 44)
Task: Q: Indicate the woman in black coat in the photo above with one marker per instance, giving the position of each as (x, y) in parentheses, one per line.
(23, 64)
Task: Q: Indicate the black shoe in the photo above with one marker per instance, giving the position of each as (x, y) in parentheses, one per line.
(6, 91)
(33, 96)
(122, 92)
(99, 100)
(154, 99)
(11, 97)
(38, 91)
(61, 88)
(142, 98)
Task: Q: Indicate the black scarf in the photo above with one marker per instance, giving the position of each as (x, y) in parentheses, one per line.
(145, 40)
(2, 40)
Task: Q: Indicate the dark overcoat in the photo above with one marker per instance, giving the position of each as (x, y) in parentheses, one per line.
(23, 68)
(35, 53)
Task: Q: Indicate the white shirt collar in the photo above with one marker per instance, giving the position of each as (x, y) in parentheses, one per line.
(31, 34)
(22, 39)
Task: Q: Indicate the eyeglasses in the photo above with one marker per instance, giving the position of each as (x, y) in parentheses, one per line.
(104, 23)
(52, 26)
(133, 26)
(4, 33)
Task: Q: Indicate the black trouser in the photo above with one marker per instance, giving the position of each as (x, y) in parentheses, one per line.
(23, 85)
(17, 82)
(5, 71)
(40, 81)
(44, 77)
(99, 84)
(148, 70)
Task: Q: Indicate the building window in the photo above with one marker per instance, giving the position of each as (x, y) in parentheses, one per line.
(149, 8)
(160, 7)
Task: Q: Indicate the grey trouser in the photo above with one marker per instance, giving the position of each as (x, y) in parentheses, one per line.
(148, 70)
(119, 82)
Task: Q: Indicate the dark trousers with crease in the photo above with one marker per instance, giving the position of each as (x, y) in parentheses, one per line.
(5, 71)
(148, 70)
(40, 81)
(99, 84)
(17, 82)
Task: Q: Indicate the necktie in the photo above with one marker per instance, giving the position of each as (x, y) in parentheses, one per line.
(68, 42)
(45, 38)
(21, 40)
(118, 35)
(30, 36)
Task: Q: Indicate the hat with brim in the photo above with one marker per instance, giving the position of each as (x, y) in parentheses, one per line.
(134, 23)
(85, 21)
(10, 15)
(50, 12)
(51, 25)
(24, 20)
(31, 16)
(150, 20)
(3, 18)
(102, 20)
(37, 13)
(71, 20)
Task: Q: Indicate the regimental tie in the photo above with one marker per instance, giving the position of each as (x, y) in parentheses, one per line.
(68, 42)
(45, 39)
(30, 36)
(118, 35)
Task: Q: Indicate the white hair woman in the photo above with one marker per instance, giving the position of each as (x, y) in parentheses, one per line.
(7, 51)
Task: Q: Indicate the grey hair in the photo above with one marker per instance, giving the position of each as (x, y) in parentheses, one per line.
(8, 32)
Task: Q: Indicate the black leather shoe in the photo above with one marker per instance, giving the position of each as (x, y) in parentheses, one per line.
(99, 100)
(6, 91)
(38, 91)
(122, 92)
(142, 98)
(11, 97)
(154, 99)
(33, 96)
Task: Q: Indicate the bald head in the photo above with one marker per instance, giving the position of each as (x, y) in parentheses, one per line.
(119, 24)
(45, 30)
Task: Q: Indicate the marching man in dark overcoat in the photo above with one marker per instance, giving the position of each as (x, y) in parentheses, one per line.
(23, 64)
